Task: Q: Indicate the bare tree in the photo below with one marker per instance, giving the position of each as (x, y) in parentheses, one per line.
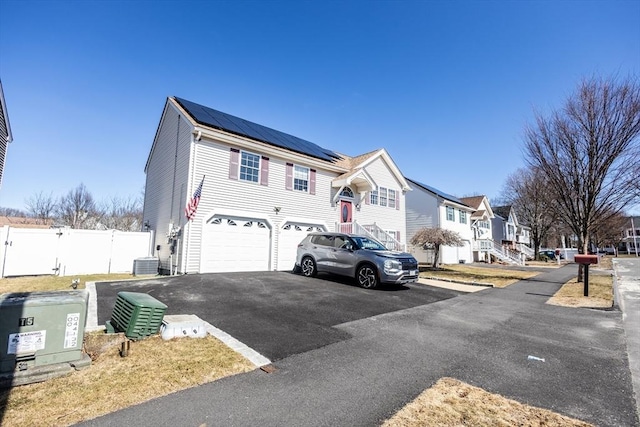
(12, 212)
(41, 206)
(77, 209)
(435, 238)
(610, 232)
(588, 150)
(121, 214)
(527, 190)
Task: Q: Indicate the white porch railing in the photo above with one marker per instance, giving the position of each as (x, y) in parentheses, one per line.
(499, 251)
(371, 230)
(525, 250)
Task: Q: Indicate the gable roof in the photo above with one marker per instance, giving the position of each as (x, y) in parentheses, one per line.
(357, 174)
(226, 122)
(502, 211)
(476, 202)
(473, 201)
(437, 192)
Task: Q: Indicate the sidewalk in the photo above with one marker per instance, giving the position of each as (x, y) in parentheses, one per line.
(482, 338)
(627, 296)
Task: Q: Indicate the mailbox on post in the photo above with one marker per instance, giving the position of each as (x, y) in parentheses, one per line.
(586, 260)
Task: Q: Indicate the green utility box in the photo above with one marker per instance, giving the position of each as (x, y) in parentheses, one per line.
(136, 314)
(41, 328)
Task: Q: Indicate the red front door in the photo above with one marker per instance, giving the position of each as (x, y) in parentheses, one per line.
(346, 210)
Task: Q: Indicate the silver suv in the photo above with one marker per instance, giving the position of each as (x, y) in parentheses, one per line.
(361, 257)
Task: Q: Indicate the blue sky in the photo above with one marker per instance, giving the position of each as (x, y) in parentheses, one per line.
(445, 86)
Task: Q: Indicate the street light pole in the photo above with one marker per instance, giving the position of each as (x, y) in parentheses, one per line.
(633, 233)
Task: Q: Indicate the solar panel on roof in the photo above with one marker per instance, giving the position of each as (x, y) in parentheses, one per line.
(438, 192)
(219, 120)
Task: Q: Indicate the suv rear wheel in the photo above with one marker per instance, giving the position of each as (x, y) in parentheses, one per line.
(308, 266)
(367, 276)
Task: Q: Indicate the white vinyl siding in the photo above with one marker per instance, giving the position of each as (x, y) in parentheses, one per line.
(422, 211)
(383, 216)
(425, 209)
(166, 189)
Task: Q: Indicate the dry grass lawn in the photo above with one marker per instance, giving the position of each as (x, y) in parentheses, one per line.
(473, 274)
(153, 368)
(54, 283)
(572, 293)
(453, 403)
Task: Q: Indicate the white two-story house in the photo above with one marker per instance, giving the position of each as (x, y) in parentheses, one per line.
(485, 247)
(480, 226)
(431, 208)
(262, 192)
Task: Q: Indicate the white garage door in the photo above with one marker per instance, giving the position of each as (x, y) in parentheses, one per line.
(235, 244)
(290, 235)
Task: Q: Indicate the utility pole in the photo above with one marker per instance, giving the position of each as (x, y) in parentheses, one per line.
(635, 237)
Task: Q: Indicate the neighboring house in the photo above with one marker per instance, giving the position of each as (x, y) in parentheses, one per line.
(510, 232)
(431, 208)
(22, 222)
(5, 132)
(480, 226)
(485, 248)
(262, 192)
(631, 241)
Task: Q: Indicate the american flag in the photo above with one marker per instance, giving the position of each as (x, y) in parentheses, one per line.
(192, 205)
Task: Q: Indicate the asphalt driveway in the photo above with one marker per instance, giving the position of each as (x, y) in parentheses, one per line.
(278, 314)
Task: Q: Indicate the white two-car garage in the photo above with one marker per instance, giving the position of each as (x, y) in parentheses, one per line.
(242, 243)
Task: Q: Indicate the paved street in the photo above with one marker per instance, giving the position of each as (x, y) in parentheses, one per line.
(386, 360)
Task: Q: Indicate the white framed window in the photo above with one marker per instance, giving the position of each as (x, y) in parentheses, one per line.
(463, 217)
(249, 167)
(383, 196)
(374, 197)
(392, 198)
(451, 215)
(300, 178)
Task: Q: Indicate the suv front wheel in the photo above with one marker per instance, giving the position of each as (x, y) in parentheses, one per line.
(367, 276)
(308, 267)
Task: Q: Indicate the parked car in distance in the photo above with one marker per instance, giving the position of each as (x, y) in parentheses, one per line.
(360, 257)
(550, 254)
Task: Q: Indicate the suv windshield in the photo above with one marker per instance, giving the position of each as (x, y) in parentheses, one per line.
(367, 243)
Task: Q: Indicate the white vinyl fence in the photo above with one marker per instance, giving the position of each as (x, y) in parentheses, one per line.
(68, 252)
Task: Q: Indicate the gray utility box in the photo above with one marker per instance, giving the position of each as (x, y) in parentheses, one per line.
(41, 328)
(148, 265)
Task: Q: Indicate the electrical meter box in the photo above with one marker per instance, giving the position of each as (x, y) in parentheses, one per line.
(41, 328)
